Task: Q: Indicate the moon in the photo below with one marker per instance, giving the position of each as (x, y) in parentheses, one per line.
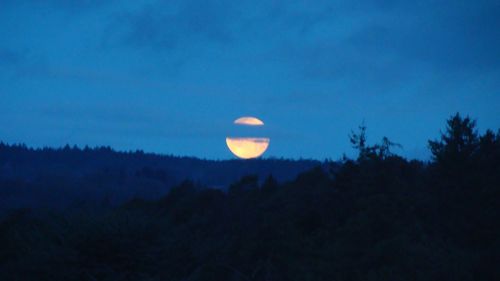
(248, 147)
(249, 121)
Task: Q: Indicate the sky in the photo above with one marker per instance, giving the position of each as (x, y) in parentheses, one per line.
(171, 76)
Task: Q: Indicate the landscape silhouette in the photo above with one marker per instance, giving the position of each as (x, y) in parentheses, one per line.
(97, 214)
(195, 140)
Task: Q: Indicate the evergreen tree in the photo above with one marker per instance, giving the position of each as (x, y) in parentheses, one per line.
(457, 144)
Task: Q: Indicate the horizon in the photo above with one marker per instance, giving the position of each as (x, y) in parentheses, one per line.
(132, 151)
(351, 154)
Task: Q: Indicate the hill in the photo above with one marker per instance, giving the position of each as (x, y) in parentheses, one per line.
(378, 217)
(72, 176)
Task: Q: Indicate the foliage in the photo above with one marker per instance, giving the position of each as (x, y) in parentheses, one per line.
(102, 177)
(458, 143)
(374, 152)
(380, 218)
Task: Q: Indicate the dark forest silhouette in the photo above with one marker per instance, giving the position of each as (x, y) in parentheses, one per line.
(377, 217)
(101, 177)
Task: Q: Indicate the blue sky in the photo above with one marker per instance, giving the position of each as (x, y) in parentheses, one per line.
(171, 76)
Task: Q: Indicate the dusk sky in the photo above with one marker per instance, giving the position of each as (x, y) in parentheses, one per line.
(171, 76)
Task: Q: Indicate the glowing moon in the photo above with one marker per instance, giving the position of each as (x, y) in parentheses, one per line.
(249, 121)
(248, 147)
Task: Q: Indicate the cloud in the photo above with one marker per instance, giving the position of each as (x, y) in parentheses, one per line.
(73, 6)
(170, 25)
(9, 57)
(389, 48)
(447, 35)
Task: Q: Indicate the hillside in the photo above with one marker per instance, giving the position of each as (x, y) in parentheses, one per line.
(72, 176)
(378, 217)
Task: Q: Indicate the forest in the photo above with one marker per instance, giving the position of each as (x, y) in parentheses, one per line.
(73, 177)
(377, 217)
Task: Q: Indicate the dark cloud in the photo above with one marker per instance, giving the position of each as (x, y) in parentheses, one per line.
(76, 6)
(451, 36)
(166, 26)
(382, 42)
(370, 40)
(10, 57)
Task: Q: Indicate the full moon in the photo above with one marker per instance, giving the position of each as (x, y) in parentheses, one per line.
(247, 147)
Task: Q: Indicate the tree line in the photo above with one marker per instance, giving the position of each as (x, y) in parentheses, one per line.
(376, 217)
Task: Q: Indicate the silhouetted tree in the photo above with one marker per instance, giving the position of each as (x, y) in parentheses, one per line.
(367, 152)
(246, 183)
(270, 184)
(384, 149)
(379, 218)
(358, 141)
(457, 144)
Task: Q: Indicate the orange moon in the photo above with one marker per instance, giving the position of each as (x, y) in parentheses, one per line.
(248, 148)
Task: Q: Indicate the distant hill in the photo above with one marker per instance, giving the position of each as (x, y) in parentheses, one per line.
(68, 176)
(377, 217)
